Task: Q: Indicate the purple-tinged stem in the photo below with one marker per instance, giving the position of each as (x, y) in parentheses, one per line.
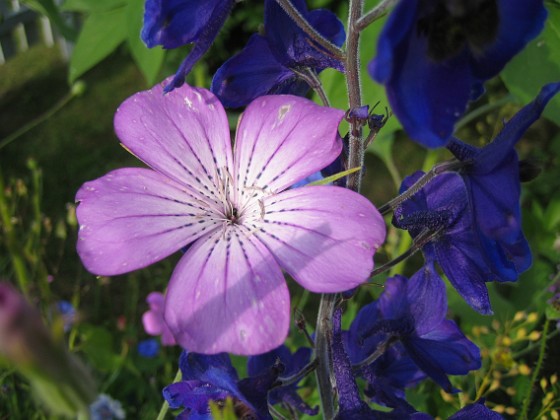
(311, 32)
(323, 353)
(374, 14)
(356, 142)
(418, 185)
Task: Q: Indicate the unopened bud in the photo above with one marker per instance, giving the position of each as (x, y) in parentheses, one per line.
(58, 378)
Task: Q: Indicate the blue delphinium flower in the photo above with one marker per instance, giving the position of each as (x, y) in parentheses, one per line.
(476, 410)
(173, 23)
(350, 404)
(413, 312)
(392, 372)
(434, 55)
(148, 348)
(491, 174)
(293, 364)
(466, 255)
(268, 64)
(213, 378)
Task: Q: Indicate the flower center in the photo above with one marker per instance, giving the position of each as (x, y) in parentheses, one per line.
(453, 23)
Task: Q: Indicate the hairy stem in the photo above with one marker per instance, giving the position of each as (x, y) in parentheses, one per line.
(374, 14)
(422, 239)
(418, 185)
(356, 142)
(379, 351)
(310, 77)
(309, 30)
(296, 377)
(323, 353)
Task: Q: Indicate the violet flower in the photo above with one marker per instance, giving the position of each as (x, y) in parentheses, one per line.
(213, 378)
(466, 255)
(293, 364)
(173, 23)
(434, 55)
(350, 404)
(491, 173)
(269, 63)
(476, 410)
(228, 292)
(413, 311)
(153, 321)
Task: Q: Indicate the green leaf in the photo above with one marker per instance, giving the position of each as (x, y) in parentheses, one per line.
(334, 177)
(92, 6)
(552, 214)
(149, 60)
(50, 10)
(541, 60)
(98, 346)
(101, 34)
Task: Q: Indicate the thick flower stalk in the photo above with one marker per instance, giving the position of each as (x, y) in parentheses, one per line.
(228, 292)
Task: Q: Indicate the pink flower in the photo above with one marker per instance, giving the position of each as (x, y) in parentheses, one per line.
(153, 321)
(228, 293)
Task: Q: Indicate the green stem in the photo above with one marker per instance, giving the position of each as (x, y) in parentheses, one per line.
(165, 405)
(35, 122)
(482, 110)
(309, 30)
(323, 341)
(11, 241)
(379, 11)
(536, 372)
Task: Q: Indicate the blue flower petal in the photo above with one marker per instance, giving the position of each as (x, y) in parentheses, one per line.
(252, 73)
(520, 22)
(173, 23)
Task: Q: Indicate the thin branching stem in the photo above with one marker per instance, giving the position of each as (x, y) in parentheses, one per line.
(309, 30)
(418, 185)
(296, 377)
(377, 12)
(310, 77)
(379, 351)
(422, 239)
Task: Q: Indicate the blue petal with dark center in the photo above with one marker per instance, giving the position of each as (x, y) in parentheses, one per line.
(431, 68)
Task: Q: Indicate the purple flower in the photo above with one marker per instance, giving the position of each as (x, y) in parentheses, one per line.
(492, 177)
(228, 292)
(350, 404)
(434, 55)
(413, 311)
(213, 378)
(153, 321)
(173, 23)
(293, 364)
(266, 65)
(466, 255)
(476, 410)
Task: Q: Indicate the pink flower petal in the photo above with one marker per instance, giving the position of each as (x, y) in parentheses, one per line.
(228, 294)
(323, 236)
(283, 139)
(133, 217)
(183, 134)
